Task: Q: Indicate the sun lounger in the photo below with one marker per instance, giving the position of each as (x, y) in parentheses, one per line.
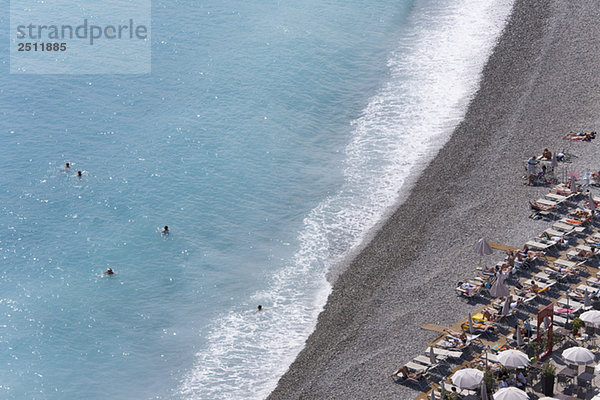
(558, 320)
(559, 198)
(538, 245)
(439, 352)
(572, 303)
(547, 203)
(562, 226)
(422, 360)
(593, 281)
(592, 291)
(553, 232)
(561, 262)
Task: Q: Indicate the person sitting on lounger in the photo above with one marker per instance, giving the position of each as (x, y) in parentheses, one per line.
(406, 374)
(490, 314)
(531, 288)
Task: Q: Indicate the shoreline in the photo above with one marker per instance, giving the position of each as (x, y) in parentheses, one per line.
(537, 85)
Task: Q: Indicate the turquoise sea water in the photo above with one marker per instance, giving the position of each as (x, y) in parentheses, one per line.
(270, 137)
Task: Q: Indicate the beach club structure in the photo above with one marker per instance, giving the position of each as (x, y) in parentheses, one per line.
(534, 331)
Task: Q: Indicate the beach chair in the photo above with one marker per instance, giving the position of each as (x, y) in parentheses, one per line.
(417, 375)
(455, 354)
(534, 244)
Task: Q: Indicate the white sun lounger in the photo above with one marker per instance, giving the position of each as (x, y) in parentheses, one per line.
(572, 303)
(559, 198)
(561, 262)
(538, 245)
(454, 354)
(548, 203)
(563, 226)
(553, 232)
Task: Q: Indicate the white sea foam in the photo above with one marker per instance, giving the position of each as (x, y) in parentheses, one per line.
(433, 74)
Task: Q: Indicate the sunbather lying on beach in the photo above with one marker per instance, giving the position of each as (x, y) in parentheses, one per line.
(546, 237)
(540, 207)
(584, 253)
(460, 337)
(562, 270)
(406, 374)
(581, 214)
(479, 327)
(527, 252)
(580, 136)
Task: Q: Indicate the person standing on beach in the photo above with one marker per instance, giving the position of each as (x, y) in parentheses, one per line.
(531, 169)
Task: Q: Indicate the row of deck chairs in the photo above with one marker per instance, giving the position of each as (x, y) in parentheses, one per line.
(552, 202)
(423, 367)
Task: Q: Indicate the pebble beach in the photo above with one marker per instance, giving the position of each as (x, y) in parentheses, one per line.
(539, 84)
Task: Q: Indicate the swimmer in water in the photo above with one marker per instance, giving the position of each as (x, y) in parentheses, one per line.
(165, 230)
(259, 308)
(67, 166)
(109, 272)
(79, 174)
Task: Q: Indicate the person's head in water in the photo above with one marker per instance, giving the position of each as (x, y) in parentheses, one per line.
(109, 271)
(79, 174)
(165, 229)
(67, 165)
(259, 308)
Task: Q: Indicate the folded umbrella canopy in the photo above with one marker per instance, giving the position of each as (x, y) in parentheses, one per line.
(519, 337)
(483, 248)
(483, 391)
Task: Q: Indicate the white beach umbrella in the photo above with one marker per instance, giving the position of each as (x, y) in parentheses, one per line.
(471, 331)
(511, 393)
(484, 395)
(547, 398)
(592, 202)
(587, 302)
(499, 288)
(513, 358)
(519, 337)
(467, 378)
(506, 306)
(591, 317)
(579, 355)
